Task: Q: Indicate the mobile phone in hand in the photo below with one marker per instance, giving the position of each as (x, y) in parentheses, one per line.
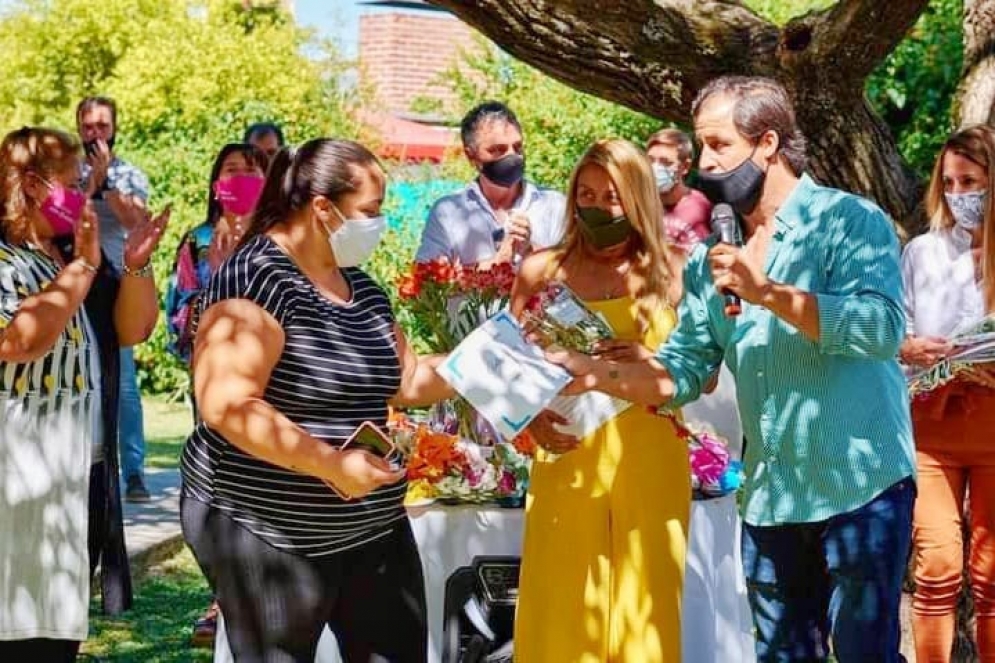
(368, 437)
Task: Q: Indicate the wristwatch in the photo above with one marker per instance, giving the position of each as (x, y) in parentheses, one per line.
(142, 272)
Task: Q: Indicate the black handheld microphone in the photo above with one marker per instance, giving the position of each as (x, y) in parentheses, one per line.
(724, 224)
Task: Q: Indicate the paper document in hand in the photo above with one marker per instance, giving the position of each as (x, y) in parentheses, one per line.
(975, 344)
(506, 378)
(587, 412)
(979, 328)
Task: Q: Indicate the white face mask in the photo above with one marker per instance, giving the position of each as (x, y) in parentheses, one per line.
(665, 179)
(356, 239)
(968, 209)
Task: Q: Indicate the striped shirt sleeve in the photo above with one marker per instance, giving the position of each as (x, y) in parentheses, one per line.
(691, 354)
(246, 275)
(860, 309)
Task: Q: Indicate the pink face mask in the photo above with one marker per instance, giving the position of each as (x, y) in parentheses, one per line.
(239, 194)
(62, 208)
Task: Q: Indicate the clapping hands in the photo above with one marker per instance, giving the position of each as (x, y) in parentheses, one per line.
(145, 231)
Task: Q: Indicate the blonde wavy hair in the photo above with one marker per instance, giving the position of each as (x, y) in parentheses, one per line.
(630, 172)
(975, 143)
(29, 150)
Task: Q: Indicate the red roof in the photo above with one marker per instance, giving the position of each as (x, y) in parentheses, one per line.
(407, 140)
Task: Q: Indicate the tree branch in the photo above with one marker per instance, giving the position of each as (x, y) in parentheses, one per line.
(976, 96)
(652, 57)
(655, 56)
(851, 38)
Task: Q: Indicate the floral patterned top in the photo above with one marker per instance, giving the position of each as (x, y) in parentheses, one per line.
(191, 272)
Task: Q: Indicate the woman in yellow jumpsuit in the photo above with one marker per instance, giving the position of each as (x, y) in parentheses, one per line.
(606, 523)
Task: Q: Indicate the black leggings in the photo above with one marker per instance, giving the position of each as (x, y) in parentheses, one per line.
(276, 603)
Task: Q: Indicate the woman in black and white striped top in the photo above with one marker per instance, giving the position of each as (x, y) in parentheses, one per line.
(296, 348)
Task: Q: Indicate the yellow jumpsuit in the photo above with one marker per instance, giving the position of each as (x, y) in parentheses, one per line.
(605, 536)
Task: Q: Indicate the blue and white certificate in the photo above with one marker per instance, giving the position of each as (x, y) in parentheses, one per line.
(503, 376)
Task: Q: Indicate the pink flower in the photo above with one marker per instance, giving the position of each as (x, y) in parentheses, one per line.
(472, 476)
(709, 458)
(507, 483)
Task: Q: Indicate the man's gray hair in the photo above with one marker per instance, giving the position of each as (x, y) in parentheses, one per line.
(760, 105)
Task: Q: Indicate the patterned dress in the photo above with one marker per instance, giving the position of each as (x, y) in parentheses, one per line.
(191, 272)
(49, 418)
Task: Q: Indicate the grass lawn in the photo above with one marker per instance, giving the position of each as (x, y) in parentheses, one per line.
(167, 426)
(171, 595)
(168, 600)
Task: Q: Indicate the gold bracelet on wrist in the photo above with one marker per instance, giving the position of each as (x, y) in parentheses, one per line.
(86, 264)
(142, 272)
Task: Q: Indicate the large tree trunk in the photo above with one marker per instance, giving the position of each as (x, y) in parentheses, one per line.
(851, 148)
(976, 96)
(655, 56)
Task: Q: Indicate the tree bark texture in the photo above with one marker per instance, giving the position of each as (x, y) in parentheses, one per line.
(976, 96)
(654, 57)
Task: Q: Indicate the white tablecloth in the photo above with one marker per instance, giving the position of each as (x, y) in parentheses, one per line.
(716, 626)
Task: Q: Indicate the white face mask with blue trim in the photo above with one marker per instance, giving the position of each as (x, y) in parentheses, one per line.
(968, 209)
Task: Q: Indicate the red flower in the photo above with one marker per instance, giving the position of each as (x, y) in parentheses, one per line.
(439, 270)
(468, 278)
(503, 277)
(525, 444)
(409, 286)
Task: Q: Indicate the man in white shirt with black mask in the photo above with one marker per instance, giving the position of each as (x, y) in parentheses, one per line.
(499, 216)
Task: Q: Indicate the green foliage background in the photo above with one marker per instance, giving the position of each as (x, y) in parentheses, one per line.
(189, 75)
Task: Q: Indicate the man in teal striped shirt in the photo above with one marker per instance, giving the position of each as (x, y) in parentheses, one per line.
(830, 460)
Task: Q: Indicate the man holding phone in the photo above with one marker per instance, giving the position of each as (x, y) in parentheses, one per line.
(116, 189)
(499, 216)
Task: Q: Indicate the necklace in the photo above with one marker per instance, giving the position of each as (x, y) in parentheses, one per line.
(612, 289)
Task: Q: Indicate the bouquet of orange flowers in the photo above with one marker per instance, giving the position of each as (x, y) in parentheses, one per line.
(447, 466)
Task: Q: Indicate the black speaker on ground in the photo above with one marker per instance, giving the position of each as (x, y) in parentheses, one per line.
(479, 611)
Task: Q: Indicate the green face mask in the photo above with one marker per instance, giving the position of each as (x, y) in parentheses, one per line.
(601, 229)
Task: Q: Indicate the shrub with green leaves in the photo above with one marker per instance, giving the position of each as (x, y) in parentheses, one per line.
(188, 76)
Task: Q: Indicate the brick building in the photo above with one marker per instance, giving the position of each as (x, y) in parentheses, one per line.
(403, 51)
(405, 47)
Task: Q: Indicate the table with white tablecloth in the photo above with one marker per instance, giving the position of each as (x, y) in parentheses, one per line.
(716, 623)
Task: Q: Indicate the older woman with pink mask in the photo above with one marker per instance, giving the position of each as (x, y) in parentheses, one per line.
(64, 312)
